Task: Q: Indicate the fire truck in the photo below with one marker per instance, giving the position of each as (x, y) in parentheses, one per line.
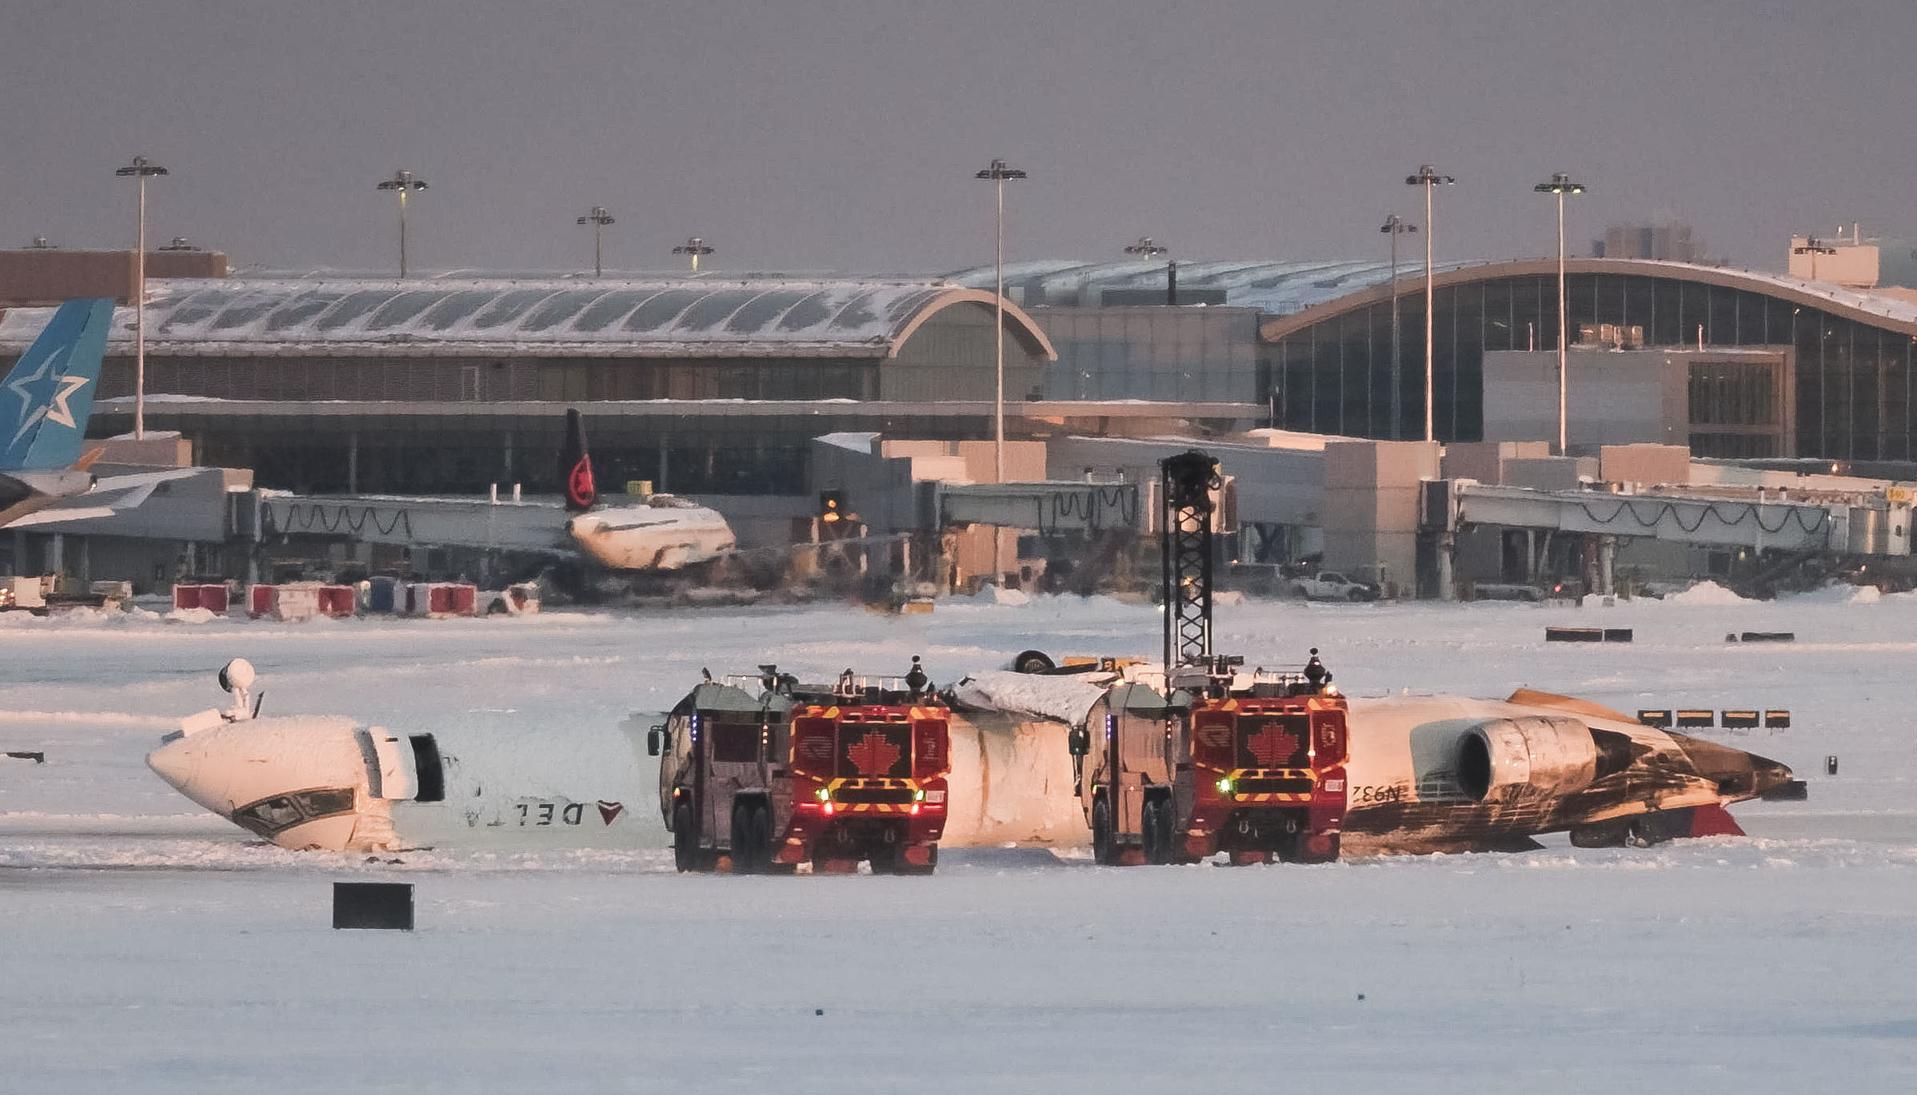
(759, 774)
(1200, 757)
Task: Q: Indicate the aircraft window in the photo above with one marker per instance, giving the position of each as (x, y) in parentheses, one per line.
(432, 773)
(269, 816)
(333, 800)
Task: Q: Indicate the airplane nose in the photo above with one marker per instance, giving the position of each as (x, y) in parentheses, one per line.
(173, 762)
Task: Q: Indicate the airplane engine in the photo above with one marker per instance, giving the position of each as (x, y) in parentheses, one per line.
(1522, 757)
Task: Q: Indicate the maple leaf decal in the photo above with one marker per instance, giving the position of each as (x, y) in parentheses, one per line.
(873, 755)
(1272, 746)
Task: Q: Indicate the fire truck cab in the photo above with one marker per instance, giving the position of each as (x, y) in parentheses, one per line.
(1249, 764)
(761, 773)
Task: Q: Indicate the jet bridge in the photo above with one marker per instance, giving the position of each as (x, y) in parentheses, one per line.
(528, 526)
(1043, 507)
(1853, 523)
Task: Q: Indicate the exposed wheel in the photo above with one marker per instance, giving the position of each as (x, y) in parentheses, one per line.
(1159, 827)
(1148, 830)
(1357, 595)
(1104, 842)
(685, 839)
(761, 838)
(1033, 661)
(746, 838)
(1314, 849)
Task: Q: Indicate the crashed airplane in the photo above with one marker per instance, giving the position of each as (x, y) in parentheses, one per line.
(1423, 774)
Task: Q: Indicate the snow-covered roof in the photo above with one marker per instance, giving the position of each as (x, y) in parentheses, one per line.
(1287, 288)
(655, 316)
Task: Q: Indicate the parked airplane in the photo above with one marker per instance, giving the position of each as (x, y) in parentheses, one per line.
(663, 532)
(45, 403)
(1437, 773)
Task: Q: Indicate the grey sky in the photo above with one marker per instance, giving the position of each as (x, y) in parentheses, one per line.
(844, 133)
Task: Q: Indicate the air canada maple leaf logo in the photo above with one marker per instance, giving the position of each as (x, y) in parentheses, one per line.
(1272, 746)
(872, 755)
(579, 484)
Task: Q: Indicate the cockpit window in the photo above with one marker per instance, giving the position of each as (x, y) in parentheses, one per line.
(336, 800)
(270, 815)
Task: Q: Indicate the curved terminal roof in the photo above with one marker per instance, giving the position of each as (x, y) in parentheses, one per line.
(660, 317)
(1880, 309)
(1296, 294)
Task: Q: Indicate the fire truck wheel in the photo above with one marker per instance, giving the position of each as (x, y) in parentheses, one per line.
(1104, 845)
(1148, 831)
(685, 842)
(1158, 831)
(761, 837)
(747, 838)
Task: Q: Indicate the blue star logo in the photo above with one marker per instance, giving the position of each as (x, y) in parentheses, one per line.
(44, 393)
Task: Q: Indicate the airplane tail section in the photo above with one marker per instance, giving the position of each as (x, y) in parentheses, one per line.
(46, 399)
(575, 466)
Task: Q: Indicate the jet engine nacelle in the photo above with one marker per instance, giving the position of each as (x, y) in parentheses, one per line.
(1531, 755)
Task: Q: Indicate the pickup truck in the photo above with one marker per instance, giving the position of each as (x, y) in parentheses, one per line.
(1329, 585)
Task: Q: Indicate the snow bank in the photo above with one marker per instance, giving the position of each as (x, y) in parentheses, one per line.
(1706, 593)
(993, 595)
(1837, 593)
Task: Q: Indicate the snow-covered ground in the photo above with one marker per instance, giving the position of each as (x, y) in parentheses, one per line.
(151, 947)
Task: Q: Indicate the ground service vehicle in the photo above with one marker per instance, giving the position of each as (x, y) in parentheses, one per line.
(1329, 585)
(763, 773)
(1212, 759)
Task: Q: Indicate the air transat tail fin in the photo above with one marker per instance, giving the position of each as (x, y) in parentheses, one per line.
(575, 466)
(46, 399)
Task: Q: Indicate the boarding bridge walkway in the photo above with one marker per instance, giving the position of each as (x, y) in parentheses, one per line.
(1839, 523)
(524, 526)
(1043, 507)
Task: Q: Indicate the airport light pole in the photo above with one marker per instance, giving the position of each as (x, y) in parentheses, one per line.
(1560, 184)
(403, 183)
(1147, 249)
(599, 219)
(1395, 226)
(1429, 178)
(141, 169)
(695, 247)
(997, 174)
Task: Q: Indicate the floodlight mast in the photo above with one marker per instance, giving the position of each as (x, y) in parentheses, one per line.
(1145, 248)
(998, 173)
(599, 219)
(403, 183)
(1429, 178)
(141, 169)
(695, 247)
(1560, 184)
(1395, 226)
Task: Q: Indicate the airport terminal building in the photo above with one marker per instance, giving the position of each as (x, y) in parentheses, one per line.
(712, 385)
(715, 385)
(1314, 342)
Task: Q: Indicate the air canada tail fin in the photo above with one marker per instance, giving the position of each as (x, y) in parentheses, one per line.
(47, 398)
(575, 466)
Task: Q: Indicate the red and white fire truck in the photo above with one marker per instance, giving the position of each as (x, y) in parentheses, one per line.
(763, 773)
